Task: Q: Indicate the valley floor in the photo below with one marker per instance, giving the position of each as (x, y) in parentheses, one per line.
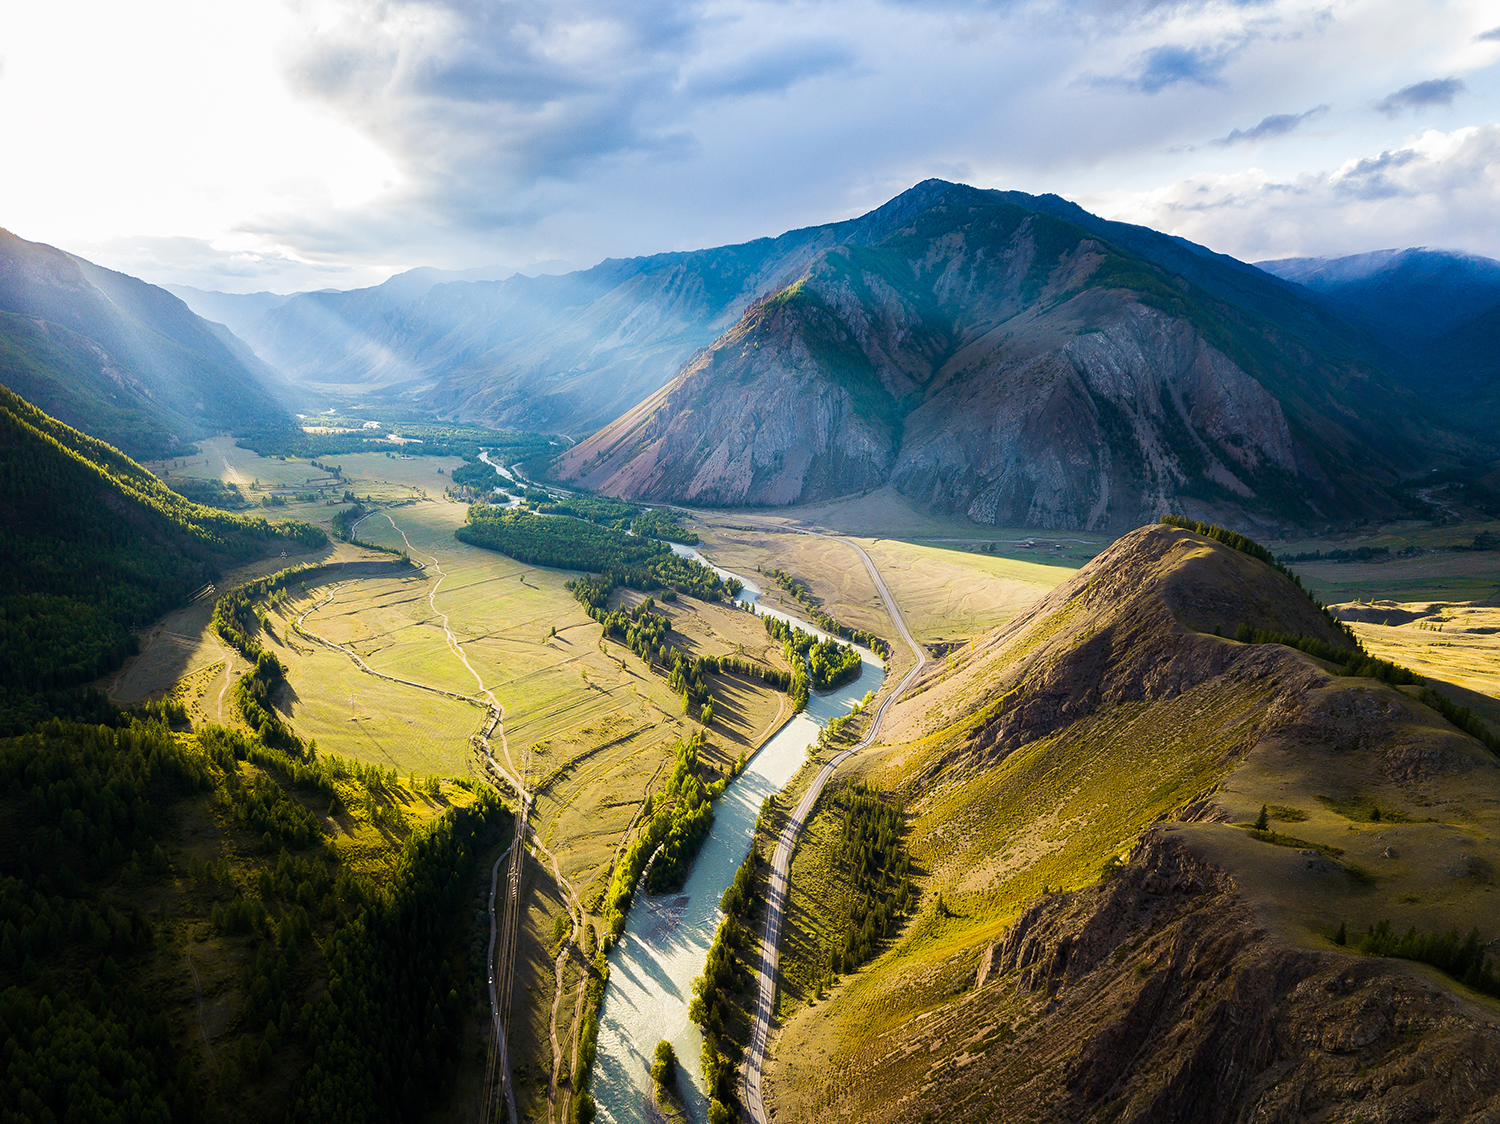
(995, 836)
(373, 677)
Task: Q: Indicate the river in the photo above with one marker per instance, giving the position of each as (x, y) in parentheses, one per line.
(666, 939)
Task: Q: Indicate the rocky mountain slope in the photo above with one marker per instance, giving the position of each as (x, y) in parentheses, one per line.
(995, 361)
(1102, 935)
(550, 353)
(122, 360)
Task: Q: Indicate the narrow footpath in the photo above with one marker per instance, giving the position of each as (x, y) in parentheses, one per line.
(781, 865)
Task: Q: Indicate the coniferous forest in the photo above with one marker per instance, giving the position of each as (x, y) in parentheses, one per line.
(96, 547)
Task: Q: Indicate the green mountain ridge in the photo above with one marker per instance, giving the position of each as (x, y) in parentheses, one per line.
(95, 546)
(123, 360)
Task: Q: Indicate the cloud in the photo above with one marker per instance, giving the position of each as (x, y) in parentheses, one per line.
(351, 139)
(204, 265)
(1441, 189)
(769, 70)
(470, 92)
(1276, 125)
(1492, 33)
(1173, 63)
(1420, 95)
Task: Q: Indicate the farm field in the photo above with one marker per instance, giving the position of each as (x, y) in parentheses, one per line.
(1455, 645)
(1433, 571)
(948, 592)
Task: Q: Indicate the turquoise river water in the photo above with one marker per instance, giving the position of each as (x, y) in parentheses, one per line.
(666, 939)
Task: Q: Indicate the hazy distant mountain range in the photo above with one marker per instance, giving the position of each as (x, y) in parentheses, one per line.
(1439, 309)
(1007, 357)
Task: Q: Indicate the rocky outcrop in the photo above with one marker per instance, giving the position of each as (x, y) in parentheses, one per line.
(1004, 365)
(1164, 1000)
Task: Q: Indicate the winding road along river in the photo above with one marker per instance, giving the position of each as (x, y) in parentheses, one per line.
(666, 939)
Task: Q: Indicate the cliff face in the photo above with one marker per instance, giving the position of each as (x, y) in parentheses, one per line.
(1006, 365)
(1101, 936)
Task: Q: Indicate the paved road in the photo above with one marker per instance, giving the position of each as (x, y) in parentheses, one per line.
(781, 864)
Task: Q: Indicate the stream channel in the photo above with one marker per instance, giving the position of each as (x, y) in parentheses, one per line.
(666, 939)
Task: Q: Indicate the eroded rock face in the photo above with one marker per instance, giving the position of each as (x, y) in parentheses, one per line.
(992, 363)
(1157, 997)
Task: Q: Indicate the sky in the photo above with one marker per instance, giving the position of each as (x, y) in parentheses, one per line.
(281, 145)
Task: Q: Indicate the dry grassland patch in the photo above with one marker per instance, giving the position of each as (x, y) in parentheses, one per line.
(1457, 644)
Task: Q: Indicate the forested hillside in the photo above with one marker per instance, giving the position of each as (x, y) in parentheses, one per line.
(95, 546)
(153, 883)
(122, 360)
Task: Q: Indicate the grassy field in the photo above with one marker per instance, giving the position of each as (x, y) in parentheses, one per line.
(1452, 645)
(947, 591)
(589, 723)
(1432, 570)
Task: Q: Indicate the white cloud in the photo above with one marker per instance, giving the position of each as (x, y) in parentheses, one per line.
(1439, 189)
(333, 141)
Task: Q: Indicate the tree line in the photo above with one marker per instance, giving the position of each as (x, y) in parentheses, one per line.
(804, 597)
(678, 820)
(566, 543)
(1352, 661)
(726, 975)
(1462, 958)
(871, 854)
(1356, 554)
(423, 438)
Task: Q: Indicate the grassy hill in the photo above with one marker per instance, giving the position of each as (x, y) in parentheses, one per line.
(94, 547)
(1101, 932)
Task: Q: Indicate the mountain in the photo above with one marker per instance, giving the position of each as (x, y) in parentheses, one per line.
(1101, 932)
(1408, 298)
(236, 311)
(95, 547)
(120, 359)
(1438, 308)
(993, 360)
(548, 353)
(1469, 355)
